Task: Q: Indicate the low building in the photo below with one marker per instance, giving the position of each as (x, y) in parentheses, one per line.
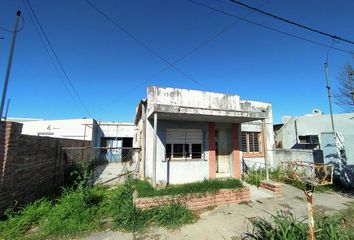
(189, 135)
(310, 132)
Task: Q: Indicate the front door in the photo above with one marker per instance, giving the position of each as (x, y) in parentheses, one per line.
(223, 152)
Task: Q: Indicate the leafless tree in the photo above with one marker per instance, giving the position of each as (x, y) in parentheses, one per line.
(343, 96)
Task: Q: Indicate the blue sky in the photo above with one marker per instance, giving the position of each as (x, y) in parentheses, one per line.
(105, 65)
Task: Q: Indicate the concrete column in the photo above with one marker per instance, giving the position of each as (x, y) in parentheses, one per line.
(236, 150)
(212, 154)
(154, 151)
(264, 133)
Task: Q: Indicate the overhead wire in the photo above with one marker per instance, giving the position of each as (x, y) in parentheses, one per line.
(19, 30)
(57, 59)
(120, 27)
(293, 23)
(49, 55)
(212, 38)
(268, 27)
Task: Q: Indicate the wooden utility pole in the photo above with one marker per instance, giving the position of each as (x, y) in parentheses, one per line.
(18, 14)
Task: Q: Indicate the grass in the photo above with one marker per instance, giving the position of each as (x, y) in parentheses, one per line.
(254, 177)
(83, 210)
(145, 189)
(284, 226)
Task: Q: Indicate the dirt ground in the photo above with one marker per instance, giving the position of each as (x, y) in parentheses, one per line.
(230, 221)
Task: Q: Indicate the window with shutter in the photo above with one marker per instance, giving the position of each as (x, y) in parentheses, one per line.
(250, 142)
(184, 144)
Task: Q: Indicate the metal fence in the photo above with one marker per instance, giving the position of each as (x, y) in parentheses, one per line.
(108, 165)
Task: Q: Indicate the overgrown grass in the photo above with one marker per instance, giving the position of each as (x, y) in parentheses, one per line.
(145, 189)
(285, 226)
(254, 177)
(86, 209)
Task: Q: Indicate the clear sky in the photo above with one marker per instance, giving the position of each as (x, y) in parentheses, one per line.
(105, 65)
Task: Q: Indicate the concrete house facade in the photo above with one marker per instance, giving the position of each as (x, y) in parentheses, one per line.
(188, 135)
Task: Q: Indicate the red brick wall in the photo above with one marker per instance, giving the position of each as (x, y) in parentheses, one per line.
(272, 186)
(194, 202)
(236, 150)
(30, 166)
(212, 154)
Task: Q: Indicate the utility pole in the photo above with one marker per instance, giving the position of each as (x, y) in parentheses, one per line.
(351, 86)
(7, 108)
(329, 96)
(18, 14)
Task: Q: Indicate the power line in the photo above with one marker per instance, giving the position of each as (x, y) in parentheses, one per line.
(268, 27)
(19, 30)
(293, 23)
(212, 38)
(120, 27)
(49, 55)
(57, 58)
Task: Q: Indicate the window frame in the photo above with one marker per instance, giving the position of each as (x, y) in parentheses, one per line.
(251, 145)
(187, 147)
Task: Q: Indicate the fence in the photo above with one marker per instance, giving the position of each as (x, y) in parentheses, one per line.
(108, 165)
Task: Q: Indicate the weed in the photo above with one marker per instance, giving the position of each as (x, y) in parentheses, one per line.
(284, 226)
(144, 188)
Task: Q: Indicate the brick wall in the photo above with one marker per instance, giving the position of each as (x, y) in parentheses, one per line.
(30, 166)
(275, 187)
(194, 202)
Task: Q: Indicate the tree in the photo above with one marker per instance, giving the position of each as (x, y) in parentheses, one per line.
(343, 96)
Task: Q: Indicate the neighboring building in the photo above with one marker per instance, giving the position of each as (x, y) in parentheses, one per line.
(110, 137)
(79, 129)
(189, 135)
(117, 139)
(311, 132)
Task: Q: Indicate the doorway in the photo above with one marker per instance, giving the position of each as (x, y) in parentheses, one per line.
(223, 147)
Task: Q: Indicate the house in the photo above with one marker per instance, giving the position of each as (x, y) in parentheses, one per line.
(311, 138)
(311, 132)
(189, 135)
(108, 138)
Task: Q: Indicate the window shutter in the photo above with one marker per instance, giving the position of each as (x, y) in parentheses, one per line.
(194, 136)
(175, 136)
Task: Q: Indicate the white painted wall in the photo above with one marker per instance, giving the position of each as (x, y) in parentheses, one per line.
(192, 98)
(68, 128)
(316, 124)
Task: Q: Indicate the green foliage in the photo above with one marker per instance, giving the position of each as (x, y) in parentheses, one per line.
(127, 217)
(75, 211)
(170, 216)
(254, 177)
(144, 188)
(15, 224)
(284, 226)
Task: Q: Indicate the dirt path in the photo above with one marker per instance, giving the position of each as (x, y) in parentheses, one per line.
(229, 222)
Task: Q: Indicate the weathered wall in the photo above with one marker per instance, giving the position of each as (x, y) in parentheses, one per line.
(286, 155)
(30, 166)
(175, 171)
(185, 97)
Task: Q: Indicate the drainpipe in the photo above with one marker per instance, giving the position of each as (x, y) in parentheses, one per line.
(265, 148)
(154, 151)
(143, 117)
